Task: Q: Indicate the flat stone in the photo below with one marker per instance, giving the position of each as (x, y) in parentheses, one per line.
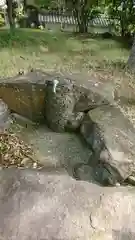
(85, 82)
(88, 98)
(25, 94)
(51, 205)
(111, 137)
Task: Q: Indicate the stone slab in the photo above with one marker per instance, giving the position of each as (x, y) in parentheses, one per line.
(25, 95)
(111, 136)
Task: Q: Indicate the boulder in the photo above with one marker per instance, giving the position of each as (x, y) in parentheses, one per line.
(33, 95)
(67, 101)
(51, 205)
(4, 116)
(59, 104)
(37, 95)
(25, 94)
(110, 135)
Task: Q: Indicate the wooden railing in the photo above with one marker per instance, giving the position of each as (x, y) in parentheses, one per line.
(54, 18)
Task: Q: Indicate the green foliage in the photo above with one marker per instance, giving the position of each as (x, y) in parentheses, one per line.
(19, 12)
(95, 11)
(124, 16)
(83, 11)
(2, 21)
(125, 13)
(50, 4)
(43, 3)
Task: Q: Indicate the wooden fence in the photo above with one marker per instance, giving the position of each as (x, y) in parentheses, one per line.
(70, 20)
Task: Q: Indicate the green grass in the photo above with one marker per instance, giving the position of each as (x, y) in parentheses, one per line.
(57, 51)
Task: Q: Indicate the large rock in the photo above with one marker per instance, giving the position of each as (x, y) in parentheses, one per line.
(31, 96)
(4, 116)
(111, 137)
(66, 104)
(25, 94)
(51, 205)
(59, 104)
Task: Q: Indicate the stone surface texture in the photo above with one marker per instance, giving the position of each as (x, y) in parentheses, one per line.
(111, 137)
(59, 105)
(51, 205)
(25, 94)
(64, 107)
(67, 105)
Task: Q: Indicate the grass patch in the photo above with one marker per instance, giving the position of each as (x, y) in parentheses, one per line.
(50, 51)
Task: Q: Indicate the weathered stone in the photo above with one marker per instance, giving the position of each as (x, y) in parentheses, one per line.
(4, 116)
(83, 82)
(59, 104)
(22, 121)
(51, 205)
(110, 135)
(63, 107)
(89, 97)
(74, 121)
(25, 94)
(65, 100)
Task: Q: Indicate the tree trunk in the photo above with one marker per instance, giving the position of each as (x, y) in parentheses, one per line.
(6, 18)
(123, 20)
(83, 28)
(24, 4)
(81, 14)
(83, 23)
(10, 13)
(131, 60)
